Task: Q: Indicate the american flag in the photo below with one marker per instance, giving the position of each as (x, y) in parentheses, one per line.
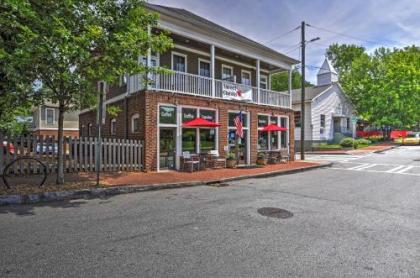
(239, 125)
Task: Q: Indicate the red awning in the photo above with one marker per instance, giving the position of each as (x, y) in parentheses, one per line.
(200, 122)
(273, 127)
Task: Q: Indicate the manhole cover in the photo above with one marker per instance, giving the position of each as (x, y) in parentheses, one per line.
(275, 212)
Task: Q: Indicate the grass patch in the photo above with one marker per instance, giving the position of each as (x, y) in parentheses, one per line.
(328, 147)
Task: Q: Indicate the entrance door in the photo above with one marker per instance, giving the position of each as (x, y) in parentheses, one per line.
(337, 125)
(167, 148)
(242, 145)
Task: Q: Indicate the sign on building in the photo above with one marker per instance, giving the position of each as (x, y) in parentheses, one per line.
(234, 92)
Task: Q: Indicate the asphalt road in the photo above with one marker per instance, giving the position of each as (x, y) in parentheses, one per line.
(352, 220)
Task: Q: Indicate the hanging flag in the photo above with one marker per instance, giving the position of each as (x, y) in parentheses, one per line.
(239, 125)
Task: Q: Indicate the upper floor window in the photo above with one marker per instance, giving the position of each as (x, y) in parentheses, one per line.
(227, 73)
(50, 115)
(246, 77)
(113, 126)
(179, 62)
(135, 123)
(263, 82)
(204, 68)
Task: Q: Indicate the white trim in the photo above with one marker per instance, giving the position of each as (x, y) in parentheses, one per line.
(224, 59)
(181, 55)
(204, 61)
(228, 67)
(250, 77)
(46, 116)
(159, 125)
(134, 116)
(266, 82)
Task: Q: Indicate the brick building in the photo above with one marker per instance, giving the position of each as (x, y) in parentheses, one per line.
(215, 74)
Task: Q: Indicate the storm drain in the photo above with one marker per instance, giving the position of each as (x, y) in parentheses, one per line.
(275, 212)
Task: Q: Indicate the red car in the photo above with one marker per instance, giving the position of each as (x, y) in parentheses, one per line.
(10, 148)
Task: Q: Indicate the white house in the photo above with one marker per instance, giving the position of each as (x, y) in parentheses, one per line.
(328, 112)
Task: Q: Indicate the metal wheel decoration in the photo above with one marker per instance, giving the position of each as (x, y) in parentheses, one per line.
(42, 168)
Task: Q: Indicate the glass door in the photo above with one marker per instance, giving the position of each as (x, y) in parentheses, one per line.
(242, 145)
(167, 149)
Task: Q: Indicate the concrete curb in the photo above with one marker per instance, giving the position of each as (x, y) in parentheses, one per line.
(91, 193)
(387, 149)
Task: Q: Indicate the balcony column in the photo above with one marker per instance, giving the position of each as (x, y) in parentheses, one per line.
(258, 81)
(149, 60)
(212, 66)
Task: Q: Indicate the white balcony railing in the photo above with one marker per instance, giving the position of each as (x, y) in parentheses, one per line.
(191, 84)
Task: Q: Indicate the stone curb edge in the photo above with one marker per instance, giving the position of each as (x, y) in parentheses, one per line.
(91, 193)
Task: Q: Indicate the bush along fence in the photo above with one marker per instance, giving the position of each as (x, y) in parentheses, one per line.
(78, 153)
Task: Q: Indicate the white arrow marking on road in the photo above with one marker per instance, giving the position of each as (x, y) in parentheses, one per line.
(365, 167)
(405, 169)
(395, 169)
(358, 166)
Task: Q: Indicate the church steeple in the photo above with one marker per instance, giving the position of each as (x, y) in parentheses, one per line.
(327, 74)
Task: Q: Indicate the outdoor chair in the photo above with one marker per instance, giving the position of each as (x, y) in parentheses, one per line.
(215, 160)
(284, 155)
(189, 162)
(273, 157)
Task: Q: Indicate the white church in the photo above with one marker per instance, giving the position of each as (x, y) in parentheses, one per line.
(328, 112)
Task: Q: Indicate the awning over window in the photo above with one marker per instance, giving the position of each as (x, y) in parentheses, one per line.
(273, 127)
(200, 122)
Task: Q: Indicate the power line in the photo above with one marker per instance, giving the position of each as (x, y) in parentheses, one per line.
(282, 35)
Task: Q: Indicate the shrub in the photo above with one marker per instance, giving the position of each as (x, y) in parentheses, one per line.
(261, 155)
(363, 141)
(347, 142)
(230, 156)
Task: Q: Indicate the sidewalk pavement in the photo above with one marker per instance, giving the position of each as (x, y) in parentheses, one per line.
(82, 185)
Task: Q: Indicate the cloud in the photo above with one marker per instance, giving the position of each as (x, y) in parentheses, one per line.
(373, 22)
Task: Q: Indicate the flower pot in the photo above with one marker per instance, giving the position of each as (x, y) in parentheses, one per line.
(262, 161)
(230, 163)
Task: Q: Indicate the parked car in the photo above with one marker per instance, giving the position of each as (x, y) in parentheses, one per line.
(412, 138)
(10, 148)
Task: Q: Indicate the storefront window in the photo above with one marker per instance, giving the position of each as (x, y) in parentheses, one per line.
(208, 115)
(207, 139)
(232, 118)
(189, 140)
(262, 140)
(188, 114)
(167, 115)
(274, 120)
(274, 140)
(262, 120)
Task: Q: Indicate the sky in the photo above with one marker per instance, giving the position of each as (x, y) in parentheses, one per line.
(370, 23)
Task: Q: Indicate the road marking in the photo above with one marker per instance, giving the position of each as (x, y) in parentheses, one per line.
(359, 166)
(365, 167)
(395, 169)
(405, 169)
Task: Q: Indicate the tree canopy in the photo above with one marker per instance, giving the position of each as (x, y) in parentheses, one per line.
(68, 45)
(280, 81)
(384, 86)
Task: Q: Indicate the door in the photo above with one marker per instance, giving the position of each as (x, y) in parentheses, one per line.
(337, 125)
(167, 148)
(242, 145)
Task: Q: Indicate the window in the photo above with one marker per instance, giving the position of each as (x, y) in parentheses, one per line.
(113, 126)
(322, 120)
(189, 142)
(50, 115)
(227, 73)
(203, 68)
(209, 115)
(262, 140)
(90, 131)
(298, 119)
(135, 123)
(263, 82)
(82, 130)
(348, 123)
(232, 118)
(284, 135)
(179, 62)
(207, 139)
(188, 114)
(274, 120)
(262, 120)
(167, 115)
(246, 77)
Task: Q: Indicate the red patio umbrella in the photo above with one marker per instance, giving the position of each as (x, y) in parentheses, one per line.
(200, 122)
(273, 127)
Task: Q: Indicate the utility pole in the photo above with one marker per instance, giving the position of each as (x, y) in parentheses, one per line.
(302, 100)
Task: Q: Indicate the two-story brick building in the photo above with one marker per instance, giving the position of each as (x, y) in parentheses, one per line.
(216, 74)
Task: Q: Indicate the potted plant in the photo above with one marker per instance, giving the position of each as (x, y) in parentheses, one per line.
(261, 158)
(230, 160)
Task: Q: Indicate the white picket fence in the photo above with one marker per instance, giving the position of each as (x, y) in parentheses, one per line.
(79, 154)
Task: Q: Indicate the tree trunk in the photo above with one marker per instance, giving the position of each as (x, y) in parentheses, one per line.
(60, 166)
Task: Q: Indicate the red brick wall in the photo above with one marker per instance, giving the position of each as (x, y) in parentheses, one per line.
(146, 104)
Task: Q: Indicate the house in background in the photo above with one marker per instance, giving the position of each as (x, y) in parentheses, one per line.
(216, 74)
(328, 112)
(45, 121)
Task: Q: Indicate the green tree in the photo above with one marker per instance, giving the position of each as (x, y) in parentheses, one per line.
(280, 81)
(342, 56)
(385, 87)
(68, 45)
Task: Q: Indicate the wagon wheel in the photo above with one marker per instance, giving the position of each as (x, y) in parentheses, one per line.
(13, 175)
